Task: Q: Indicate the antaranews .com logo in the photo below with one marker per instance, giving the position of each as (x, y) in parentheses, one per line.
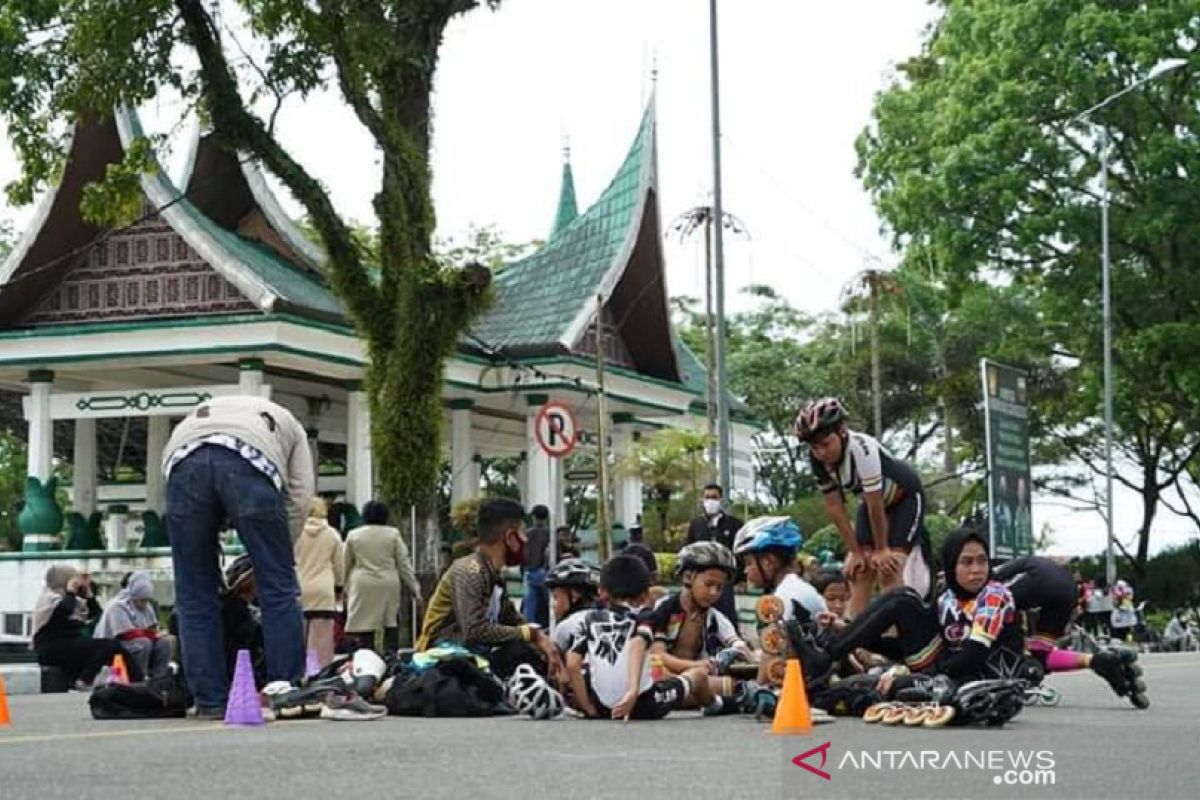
(1007, 767)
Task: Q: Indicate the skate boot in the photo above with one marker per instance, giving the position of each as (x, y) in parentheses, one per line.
(1123, 673)
(290, 702)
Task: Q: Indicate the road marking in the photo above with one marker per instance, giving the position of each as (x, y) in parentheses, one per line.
(62, 737)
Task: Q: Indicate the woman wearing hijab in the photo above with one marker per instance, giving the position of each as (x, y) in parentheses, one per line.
(131, 619)
(973, 624)
(64, 607)
(320, 562)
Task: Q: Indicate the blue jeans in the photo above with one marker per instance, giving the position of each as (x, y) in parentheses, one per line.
(535, 605)
(206, 488)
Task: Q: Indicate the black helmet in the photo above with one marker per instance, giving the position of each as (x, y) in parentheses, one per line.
(705, 555)
(238, 571)
(573, 573)
(819, 418)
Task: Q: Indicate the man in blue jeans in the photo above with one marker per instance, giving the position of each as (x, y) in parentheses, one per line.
(535, 606)
(244, 460)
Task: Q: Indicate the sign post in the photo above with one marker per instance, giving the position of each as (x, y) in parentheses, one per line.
(557, 433)
(1010, 486)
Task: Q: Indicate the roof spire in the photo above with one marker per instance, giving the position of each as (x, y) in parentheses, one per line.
(568, 210)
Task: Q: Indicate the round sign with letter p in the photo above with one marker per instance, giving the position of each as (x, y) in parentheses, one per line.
(556, 430)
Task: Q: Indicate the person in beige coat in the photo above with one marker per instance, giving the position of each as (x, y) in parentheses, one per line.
(377, 564)
(321, 564)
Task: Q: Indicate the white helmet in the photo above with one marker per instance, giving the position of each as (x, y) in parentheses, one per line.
(528, 693)
(366, 670)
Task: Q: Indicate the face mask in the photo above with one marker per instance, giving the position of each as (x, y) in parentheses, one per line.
(712, 507)
(515, 558)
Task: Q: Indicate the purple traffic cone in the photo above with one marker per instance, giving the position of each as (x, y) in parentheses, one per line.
(244, 707)
(312, 664)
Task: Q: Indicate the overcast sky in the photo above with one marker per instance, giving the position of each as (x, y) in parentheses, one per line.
(798, 79)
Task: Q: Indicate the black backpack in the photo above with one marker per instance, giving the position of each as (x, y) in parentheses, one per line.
(454, 687)
(157, 698)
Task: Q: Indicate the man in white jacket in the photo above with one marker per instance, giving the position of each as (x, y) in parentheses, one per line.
(244, 460)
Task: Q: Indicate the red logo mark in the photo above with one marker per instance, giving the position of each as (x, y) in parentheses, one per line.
(818, 771)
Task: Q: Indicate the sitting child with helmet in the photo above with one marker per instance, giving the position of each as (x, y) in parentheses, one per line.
(690, 632)
(607, 667)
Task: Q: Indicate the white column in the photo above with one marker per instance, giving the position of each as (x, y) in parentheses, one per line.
(360, 482)
(627, 490)
(41, 427)
(544, 475)
(158, 430)
(523, 478)
(83, 462)
(464, 469)
(250, 376)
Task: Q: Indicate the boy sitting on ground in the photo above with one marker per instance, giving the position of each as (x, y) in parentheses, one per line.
(471, 607)
(612, 646)
(690, 632)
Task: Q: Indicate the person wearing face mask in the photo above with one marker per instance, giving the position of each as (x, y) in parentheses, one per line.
(470, 606)
(714, 525)
(131, 619)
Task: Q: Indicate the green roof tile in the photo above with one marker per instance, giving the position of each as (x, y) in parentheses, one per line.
(568, 210)
(539, 297)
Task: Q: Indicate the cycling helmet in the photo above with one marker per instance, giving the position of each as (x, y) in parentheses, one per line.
(819, 418)
(528, 693)
(366, 671)
(238, 571)
(705, 555)
(767, 533)
(573, 573)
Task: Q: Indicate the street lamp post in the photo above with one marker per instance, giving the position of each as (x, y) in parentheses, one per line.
(1158, 70)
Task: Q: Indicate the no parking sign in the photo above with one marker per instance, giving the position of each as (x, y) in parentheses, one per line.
(556, 430)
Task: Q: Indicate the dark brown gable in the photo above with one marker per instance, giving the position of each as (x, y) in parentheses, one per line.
(145, 272)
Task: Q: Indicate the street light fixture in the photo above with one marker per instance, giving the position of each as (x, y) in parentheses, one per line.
(1157, 71)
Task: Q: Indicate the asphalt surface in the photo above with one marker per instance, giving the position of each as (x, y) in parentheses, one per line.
(1096, 745)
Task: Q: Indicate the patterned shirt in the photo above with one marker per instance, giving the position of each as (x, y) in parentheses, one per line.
(983, 619)
(248, 452)
(471, 607)
(666, 620)
(866, 467)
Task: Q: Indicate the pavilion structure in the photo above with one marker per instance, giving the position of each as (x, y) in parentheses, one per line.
(215, 291)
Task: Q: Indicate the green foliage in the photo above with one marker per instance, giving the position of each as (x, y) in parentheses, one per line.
(62, 60)
(981, 169)
(824, 538)
(482, 244)
(7, 239)
(669, 461)
(12, 487)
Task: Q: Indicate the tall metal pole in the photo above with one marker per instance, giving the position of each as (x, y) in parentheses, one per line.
(723, 432)
(602, 513)
(873, 278)
(710, 407)
(1110, 564)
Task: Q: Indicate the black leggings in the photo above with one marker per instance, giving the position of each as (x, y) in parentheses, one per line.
(920, 636)
(391, 639)
(82, 658)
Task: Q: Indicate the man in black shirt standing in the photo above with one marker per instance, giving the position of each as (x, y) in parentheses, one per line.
(717, 526)
(535, 606)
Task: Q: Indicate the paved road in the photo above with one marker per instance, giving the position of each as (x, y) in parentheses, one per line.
(1100, 746)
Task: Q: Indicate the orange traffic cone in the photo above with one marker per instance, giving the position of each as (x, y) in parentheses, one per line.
(5, 719)
(792, 715)
(118, 673)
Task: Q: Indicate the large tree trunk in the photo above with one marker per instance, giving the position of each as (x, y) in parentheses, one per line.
(1150, 496)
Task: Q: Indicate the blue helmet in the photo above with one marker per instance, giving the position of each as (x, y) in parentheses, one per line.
(768, 533)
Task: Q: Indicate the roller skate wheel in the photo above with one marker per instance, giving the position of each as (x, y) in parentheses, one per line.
(1031, 697)
(777, 672)
(769, 609)
(1051, 697)
(939, 717)
(1139, 686)
(1141, 701)
(894, 716)
(774, 641)
(875, 713)
(914, 717)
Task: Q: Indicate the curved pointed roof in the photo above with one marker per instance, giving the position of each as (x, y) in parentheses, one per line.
(568, 210)
(58, 236)
(546, 302)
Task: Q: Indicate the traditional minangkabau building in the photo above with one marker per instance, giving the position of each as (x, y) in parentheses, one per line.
(214, 290)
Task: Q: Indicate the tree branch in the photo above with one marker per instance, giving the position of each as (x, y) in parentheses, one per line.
(240, 129)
